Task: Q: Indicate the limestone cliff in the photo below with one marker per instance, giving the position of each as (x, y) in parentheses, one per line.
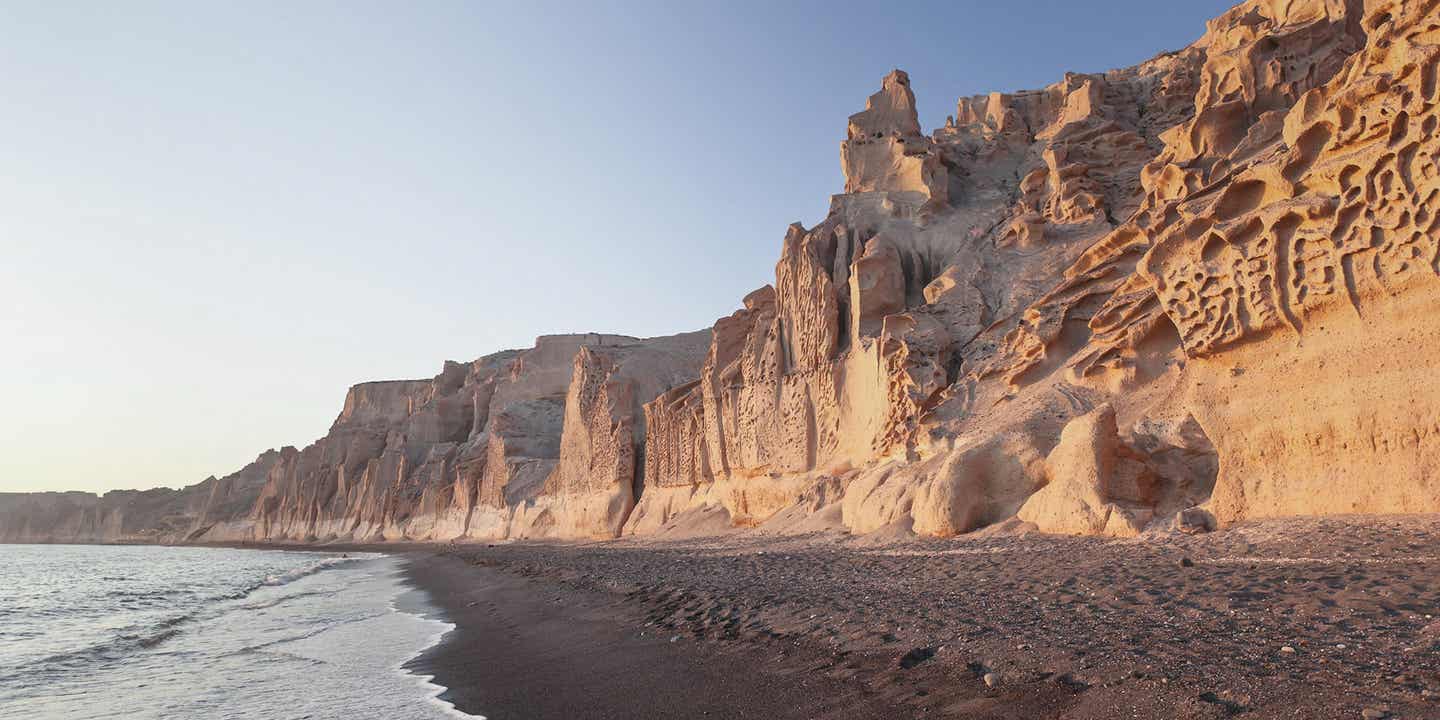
(517, 444)
(1092, 306)
(881, 313)
(539, 442)
(1169, 296)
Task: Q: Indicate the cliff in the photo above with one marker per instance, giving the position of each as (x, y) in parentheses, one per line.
(1170, 296)
(531, 443)
(158, 515)
(1184, 293)
(518, 444)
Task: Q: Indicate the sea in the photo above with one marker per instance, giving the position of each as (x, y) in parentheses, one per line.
(142, 632)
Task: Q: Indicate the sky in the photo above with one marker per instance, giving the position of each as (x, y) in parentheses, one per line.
(216, 217)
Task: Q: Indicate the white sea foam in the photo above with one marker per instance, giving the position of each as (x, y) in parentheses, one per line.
(427, 683)
(290, 576)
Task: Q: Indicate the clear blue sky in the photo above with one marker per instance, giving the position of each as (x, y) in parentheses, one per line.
(215, 217)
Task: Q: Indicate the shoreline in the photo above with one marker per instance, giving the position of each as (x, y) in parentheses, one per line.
(1300, 617)
(522, 649)
(414, 600)
(1296, 618)
(529, 647)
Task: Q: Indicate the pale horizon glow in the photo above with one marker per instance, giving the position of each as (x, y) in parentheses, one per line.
(216, 218)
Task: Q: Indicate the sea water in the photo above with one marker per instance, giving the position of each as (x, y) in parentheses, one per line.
(181, 632)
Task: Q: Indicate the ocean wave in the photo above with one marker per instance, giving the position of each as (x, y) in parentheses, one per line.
(112, 650)
(283, 599)
(160, 637)
(293, 575)
(281, 641)
(155, 633)
(290, 576)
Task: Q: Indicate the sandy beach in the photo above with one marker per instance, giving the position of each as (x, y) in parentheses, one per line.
(1313, 618)
(528, 649)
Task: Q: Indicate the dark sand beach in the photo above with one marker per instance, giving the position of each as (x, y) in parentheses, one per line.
(1313, 618)
(527, 649)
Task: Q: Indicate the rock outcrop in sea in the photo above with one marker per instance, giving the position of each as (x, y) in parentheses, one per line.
(1171, 296)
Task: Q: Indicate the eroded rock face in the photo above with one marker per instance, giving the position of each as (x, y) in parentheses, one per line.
(885, 151)
(1080, 469)
(599, 475)
(1253, 62)
(529, 443)
(1095, 484)
(539, 442)
(859, 355)
(1306, 289)
(1189, 244)
(1195, 290)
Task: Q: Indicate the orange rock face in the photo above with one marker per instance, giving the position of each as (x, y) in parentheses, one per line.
(1191, 243)
(1169, 296)
(1307, 287)
(518, 444)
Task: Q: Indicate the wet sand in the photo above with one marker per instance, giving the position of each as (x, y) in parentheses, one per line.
(1314, 618)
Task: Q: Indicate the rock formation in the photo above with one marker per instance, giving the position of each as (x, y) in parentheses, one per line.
(158, 515)
(529, 443)
(885, 151)
(1130, 247)
(517, 444)
(1170, 296)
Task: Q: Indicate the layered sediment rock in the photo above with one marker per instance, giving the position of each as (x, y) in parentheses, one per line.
(1183, 293)
(517, 444)
(539, 442)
